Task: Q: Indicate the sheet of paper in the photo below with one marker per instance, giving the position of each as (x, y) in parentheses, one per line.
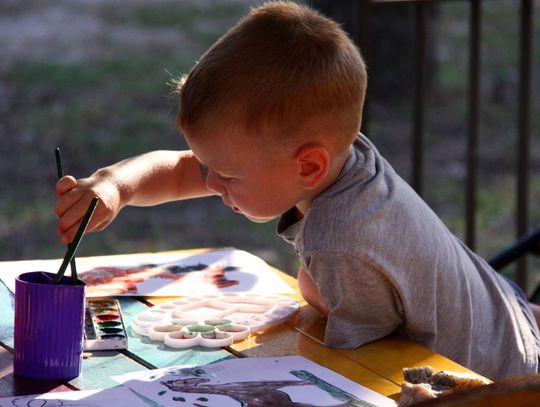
(281, 381)
(115, 397)
(163, 273)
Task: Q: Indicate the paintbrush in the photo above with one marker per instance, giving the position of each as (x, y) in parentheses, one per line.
(76, 240)
(60, 173)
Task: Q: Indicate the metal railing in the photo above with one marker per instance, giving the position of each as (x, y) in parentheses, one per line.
(361, 33)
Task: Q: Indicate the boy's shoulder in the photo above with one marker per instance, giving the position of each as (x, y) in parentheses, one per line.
(367, 203)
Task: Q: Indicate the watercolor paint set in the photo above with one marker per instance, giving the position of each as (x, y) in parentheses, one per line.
(104, 326)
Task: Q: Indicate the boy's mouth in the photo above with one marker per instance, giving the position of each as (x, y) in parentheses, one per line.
(230, 205)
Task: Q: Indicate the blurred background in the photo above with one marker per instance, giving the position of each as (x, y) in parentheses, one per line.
(92, 77)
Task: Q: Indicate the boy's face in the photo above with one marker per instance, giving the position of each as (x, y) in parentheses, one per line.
(248, 180)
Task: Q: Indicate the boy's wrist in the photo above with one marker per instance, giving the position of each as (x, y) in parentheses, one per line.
(112, 186)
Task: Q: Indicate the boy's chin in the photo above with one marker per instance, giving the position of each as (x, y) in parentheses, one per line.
(259, 220)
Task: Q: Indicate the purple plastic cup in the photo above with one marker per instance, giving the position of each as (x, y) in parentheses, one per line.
(49, 324)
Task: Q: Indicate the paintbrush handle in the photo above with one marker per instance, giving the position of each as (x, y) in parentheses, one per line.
(59, 169)
(78, 236)
(60, 173)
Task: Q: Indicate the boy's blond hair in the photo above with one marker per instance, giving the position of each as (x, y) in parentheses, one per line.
(284, 71)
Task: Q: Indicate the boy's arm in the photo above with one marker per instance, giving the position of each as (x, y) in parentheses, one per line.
(311, 293)
(363, 304)
(148, 179)
(156, 177)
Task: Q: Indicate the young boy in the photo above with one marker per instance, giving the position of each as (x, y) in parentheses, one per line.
(271, 113)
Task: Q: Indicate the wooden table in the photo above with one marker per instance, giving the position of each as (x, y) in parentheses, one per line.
(377, 365)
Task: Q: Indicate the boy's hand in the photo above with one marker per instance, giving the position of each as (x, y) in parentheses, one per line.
(148, 179)
(74, 197)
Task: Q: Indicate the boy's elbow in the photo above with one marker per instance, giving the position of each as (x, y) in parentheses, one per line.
(320, 305)
(310, 293)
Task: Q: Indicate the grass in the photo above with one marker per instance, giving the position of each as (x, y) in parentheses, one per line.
(185, 14)
(135, 74)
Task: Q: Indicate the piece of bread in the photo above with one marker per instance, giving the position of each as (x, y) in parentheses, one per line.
(424, 383)
(414, 393)
(457, 381)
(417, 375)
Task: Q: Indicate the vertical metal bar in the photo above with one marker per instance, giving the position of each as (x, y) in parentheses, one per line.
(419, 99)
(472, 134)
(526, 22)
(363, 40)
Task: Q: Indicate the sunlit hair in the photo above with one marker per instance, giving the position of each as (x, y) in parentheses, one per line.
(284, 71)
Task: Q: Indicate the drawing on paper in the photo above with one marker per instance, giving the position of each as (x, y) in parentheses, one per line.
(178, 273)
(122, 281)
(264, 392)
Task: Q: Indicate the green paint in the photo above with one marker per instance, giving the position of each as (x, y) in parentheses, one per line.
(159, 355)
(106, 324)
(151, 403)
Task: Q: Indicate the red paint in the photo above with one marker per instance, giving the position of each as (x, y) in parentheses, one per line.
(108, 317)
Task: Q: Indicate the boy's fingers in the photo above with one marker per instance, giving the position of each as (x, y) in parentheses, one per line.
(67, 236)
(64, 184)
(66, 201)
(100, 226)
(67, 228)
(73, 216)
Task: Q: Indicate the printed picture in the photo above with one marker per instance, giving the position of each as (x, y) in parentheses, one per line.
(177, 273)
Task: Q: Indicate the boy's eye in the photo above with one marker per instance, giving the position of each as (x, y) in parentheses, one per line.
(225, 178)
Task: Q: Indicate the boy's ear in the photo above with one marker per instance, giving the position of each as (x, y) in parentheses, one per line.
(314, 164)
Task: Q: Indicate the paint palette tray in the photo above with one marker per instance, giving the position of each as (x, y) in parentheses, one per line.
(103, 325)
(213, 320)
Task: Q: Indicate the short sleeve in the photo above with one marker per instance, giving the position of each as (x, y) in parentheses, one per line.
(364, 306)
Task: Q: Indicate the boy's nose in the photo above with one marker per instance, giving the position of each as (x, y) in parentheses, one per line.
(213, 184)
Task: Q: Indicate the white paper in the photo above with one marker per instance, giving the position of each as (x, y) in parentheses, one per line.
(169, 273)
(281, 381)
(115, 397)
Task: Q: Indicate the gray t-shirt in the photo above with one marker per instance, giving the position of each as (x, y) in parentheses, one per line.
(385, 262)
